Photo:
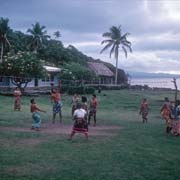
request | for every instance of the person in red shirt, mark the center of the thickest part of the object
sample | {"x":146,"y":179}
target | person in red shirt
{"x":57,"y":105}
{"x":93,"y":109}
{"x":35,"y":115}
{"x":144,"y":110}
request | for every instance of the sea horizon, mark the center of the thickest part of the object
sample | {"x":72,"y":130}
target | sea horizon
{"x":155,"y":82}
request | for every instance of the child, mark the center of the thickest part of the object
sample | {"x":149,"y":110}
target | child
{"x":93,"y":109}
{"x":35,"y":115}
{"x":17,"y":102}
{"x":144,"y":109}
{"x":56,"y":99}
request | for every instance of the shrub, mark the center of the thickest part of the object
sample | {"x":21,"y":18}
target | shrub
{"x":80,"y":90}
{"x":89,"y":90}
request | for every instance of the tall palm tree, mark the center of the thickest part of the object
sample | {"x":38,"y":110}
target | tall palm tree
{"x":115,"y":40}
{"x":4,"y":28}
{"x":39,"y":34}
{"x":57,"y":34}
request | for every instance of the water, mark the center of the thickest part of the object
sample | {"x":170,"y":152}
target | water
{"x":156,"y":82}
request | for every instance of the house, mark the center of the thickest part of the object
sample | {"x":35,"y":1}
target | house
{"x":51,"y":78}
{"x":105,"y":75}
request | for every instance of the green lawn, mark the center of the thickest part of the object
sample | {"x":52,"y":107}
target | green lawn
{"x":135,"y":151}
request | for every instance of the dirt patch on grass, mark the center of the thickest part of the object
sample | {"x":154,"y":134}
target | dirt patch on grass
{"x":28,"y":168}
{"x":29,"y":142}
{"x":49,"y":128}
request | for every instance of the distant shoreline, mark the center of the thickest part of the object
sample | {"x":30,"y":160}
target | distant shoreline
{"x":155,"y":82}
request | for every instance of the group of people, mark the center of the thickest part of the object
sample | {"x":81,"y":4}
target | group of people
{"x":91,"y":111}
{"x":170,"y":112}
{"x":81,"y":112}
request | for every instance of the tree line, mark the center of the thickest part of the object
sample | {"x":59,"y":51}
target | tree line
{"x":24,"y":54}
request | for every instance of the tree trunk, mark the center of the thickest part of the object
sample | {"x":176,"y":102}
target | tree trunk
{"x":2,"y":49}
{"x":116,"y":73}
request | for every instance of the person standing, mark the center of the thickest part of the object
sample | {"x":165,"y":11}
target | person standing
{"x":85,"y":106}
{"x":80,"y":124}
{"x":35,"y":115}
{"x":93,"y":109}
{"x":75,"y":100}
{"x":166,"y":114}
{"x":144,"y":110}
{"x":57,"y":105}
{"x":177,"y":118}
{"x":17,"y":102}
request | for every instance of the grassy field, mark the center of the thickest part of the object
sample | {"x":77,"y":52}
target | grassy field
{"x":125,"y":149}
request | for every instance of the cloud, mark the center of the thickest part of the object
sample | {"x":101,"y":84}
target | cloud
{"x":153,"y":25}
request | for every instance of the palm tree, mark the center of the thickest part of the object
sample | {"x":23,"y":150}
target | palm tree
{"x":115,"y":40}
{"x":4,"y":28}
{"x":39,"y":34}
{"x":57,"y":34}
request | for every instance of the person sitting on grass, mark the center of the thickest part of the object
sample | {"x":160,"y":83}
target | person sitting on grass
{"x":93,"y":109}
{"x":144,"y":110}
{"x":35,"y":115}
{"x":80,"y":124}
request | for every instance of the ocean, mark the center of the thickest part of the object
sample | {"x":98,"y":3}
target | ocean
{"x":156,"y":82}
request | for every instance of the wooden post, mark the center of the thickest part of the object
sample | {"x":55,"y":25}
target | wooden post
{"x":176,"y":90}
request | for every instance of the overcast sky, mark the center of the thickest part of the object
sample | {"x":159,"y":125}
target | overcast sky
{"x":154,"y":27}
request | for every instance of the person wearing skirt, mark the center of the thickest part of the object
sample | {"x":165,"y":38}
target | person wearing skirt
{"x":35,"y":115}
{"x":177,"y":118}
{"x":17,"y":102}
{"x":80,"y":124}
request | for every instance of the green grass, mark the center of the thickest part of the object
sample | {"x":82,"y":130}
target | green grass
{"x":136,"y":152}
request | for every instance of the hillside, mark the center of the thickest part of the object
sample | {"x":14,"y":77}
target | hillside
{"x":52,"y":52}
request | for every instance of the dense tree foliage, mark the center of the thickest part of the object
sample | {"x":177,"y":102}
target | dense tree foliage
{"x":21,"y":67}
{"x":57,"y":34}
{"x":19,"y":41}
{"x":39,"y":35}
{"x":75,"y":71}
{"x":53,"y":52}
{"x":4,"y":28}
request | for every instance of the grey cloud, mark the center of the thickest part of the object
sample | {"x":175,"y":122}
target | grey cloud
{"x":83,"y":21}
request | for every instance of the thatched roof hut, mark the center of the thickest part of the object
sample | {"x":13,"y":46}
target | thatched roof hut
{"x":102,"y":71}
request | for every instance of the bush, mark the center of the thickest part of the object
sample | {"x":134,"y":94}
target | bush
{"x":64,"y":88}
{"x":89,"y":90}
{"x":80,"y":90}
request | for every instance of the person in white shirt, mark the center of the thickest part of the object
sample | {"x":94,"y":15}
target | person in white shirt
{"x":80,"y":124}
